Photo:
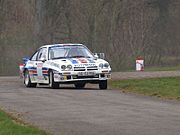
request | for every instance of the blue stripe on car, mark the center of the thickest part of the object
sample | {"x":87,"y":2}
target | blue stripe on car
{"x":44,"y":68}
{"x":91,"y":61}
{"x":73,"y":61}
{"x":32,"y":68}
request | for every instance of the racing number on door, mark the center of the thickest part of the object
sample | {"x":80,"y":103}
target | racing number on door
{"x":42,"y":57}
{"x":39,"y":69}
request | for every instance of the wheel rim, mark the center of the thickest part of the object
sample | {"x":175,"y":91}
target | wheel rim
{"x":26,"y":80}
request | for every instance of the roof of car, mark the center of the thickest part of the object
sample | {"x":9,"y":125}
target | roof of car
{"x":66,"y":44}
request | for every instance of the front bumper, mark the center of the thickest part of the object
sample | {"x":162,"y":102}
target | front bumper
{"x":81,"y":76}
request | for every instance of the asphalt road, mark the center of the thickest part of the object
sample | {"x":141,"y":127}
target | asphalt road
{"x":68,"y":111}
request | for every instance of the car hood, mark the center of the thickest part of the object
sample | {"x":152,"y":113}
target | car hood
{"x":79,"y":61}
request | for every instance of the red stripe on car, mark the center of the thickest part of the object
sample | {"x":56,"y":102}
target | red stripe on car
{"x":33,"y":72}
{"x":45,"y":71}
{"x":83,"y":60}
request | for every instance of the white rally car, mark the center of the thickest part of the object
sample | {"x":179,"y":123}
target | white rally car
{"x":65,"y":64}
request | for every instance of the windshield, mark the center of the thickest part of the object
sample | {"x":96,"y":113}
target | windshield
{"x":58,"y":52}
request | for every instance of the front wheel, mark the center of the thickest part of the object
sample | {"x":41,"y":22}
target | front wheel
{"x":52,"y":84}
{"x":80,"y":85}
{"x":103,"y":84}
{"x":27,"y":80}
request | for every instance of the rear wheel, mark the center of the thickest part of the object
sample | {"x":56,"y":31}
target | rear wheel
{"x":80,"y":85}
{"x":103,"y":84}
{"x":27,"y":80}
{"x":52,"y":84}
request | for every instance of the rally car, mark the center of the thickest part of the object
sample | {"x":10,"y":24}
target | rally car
{"x":65,"y":64}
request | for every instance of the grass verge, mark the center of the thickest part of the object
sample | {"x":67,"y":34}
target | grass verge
{"x":168,"y":88}
{"x":12,"y":126}
{"x":175,"y":68}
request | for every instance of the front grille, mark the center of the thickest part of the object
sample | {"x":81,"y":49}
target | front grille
{"x":92,"y":68}
{"x":79,"y":68}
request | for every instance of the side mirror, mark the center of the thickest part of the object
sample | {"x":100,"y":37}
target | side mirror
{"x":99,"y":55}
{"x":43,"y":59}
{"x":96,"y":56}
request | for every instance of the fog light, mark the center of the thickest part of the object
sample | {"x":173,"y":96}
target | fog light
{"x":63,"y":67}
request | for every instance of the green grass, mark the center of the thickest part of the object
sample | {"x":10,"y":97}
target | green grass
{"x":168,"y":87}
{"x":9,"y":125}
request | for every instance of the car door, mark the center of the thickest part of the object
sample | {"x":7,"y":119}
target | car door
{"x":32,"y":67}
{"x":41,"y":58}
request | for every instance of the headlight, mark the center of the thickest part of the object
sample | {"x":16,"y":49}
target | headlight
{"x":106,"y":65}
{"x":101,"y":65}
{"x":63,"y":67}
{"x":69,"y":67}
{"x":66,"y":67}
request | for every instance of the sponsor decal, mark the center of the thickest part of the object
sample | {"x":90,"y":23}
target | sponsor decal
{"x":39,"y":69}
{"x":40,"y":78}
{"x":73,"y":61}
{"x":83,"y":60}
{"x":33,"y":72}
{"x":31,"y":68}
{"x":45,"y":72}
{"x":84,"y":65}
{"x":44,"y":68}
{"x":91,"y":61}
{"x":39,"y":65}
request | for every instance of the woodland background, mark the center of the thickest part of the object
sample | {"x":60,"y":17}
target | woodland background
{"x":122,"y":29}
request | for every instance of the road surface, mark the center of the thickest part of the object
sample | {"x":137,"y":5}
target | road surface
{"x":90,"y":111}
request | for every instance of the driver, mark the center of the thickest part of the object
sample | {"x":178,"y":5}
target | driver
{"x":75,"y":52}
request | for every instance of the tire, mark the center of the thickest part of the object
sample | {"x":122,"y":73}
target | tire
{"x":103,"y":84}
{"x":27,"y":80}
{"x":52,"y":84}
{"x":80,"y":85}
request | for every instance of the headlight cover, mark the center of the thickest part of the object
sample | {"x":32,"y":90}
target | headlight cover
{"x":101,"y":65}
{"x":69,"y":67}
{"x":63,"y":67}
{"x":106,"y":65}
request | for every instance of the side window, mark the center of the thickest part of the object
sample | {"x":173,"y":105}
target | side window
{"x":42,"y":54}
{"x":34,"y":57}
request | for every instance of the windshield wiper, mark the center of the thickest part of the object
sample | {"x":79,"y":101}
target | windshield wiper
{"x":79,"y":56}
{"x":58,"y":58}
